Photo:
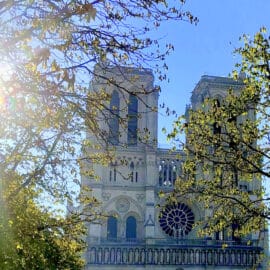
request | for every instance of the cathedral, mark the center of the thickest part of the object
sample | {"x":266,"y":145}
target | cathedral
{"x":138,"y":234}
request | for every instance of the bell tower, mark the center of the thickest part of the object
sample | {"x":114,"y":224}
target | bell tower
{"x":130,"y":114}
{"x":137,"y":233}
{"x":129,"y":124}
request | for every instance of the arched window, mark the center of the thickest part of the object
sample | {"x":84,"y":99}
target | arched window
{"x":114,"y":119}
{"x":219,"y":235}
{"x":132,"y":120}
{"x":174,"y":173}
{"x":112,"y":228}
{"x":168,"y":172}
{"x":216,"y":126}
{"x":113,"y":172}
{"x":165,"y":173}
{"x":131,"y":228}
{"x":161,"y":174}
{"x":170,"y":167}
{"x":131,"y":166}
{"x":235,"y":228}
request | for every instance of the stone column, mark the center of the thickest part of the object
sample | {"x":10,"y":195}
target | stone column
{"x":151,"y":180}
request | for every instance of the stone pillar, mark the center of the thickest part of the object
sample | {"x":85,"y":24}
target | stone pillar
{"x":151,"y":181}
{"x":94,"y":230}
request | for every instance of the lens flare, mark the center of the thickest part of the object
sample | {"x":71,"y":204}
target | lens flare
{"x":7,"y":101}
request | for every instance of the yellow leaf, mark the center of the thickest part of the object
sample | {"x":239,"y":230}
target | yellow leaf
{"x":55,"y":66}
{"x":19,"y":246}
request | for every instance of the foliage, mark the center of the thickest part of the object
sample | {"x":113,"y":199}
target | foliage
{"x":228,"y":148}
{"x":34,"y":238}
{"x":48,"y":51}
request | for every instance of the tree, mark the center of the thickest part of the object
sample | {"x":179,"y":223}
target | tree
{"x":48,"y":52}
{"x":228,"y":148}
{"x":32,"y":237}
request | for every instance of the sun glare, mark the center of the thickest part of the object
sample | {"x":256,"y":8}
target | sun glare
{"x":6,"y":100}
{"x":5,"y":71}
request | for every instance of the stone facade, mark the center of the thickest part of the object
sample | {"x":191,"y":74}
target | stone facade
{"x":138,"y":234}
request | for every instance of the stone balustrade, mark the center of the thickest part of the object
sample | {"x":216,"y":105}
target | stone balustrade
{"x":143,"y":254}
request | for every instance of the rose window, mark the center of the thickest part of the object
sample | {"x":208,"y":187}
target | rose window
{"x":176,"y":219}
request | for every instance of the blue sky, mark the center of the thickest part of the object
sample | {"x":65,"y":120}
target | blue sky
{"x":206,"y":49}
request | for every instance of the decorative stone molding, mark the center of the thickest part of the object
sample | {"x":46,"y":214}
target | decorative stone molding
{"x":106,"y":196}
{"x":176,"y":220}
{"x":149,"y":221}
{"x":140,"y":197}
{"x":122,"y":205}
{"x":196,"y":257}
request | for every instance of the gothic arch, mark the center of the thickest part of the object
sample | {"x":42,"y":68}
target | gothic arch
{"x":105,"y":228}
{"x":128,"y":220}
{"x":196,"y":210}
{"x":134,"y":209}
{"x":131,"y":228}
{"x":219,"y":98}
{"x":132,"y":201}
{"x":132,"y":120}
{"x":113,"y":172}
{"x":133,"y":213}
{"x":113,"y":121}
{"x":112,"y":227}
{"x":131,"y":166}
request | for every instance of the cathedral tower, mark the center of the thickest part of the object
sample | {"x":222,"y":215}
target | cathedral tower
{"x":137,"y":233}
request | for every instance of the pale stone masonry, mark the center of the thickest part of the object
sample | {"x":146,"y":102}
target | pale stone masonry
{"x":137,"y":235}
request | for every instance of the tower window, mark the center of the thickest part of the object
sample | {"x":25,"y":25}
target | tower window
{"x":114,"y":119}
{"x":113,"y":172}
{"x":131,"y":166}
{"x":176,"y":220}
{"x":216,"y":126}
{"x":174,"y":174}
{"x":131,"y":228}
{"x":112,"y":228}
{"x":132,"y":120}
{"x":169,"y":170}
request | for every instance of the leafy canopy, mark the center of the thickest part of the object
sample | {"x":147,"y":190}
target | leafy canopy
{"x":228,"y":147}
{"x":48,"y":50}
{"x":32,"y":237}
